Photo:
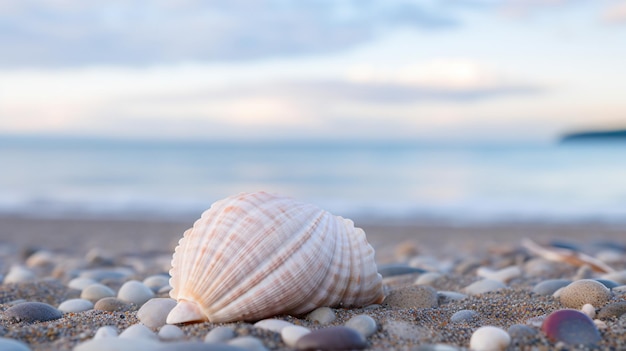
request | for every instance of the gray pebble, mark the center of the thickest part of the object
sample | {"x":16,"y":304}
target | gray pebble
{"x":608,"y":283}
{"x":107,"y":331}
{"x":170,"y":332}
{"x":322,"y":315}
{"x":612,"y":310}
{"x":584,"y":291}
{"x":12,"y":345}
{"x":463,"y":316}
{"x":363,"y":323}
{"x":391,"y":270}
{"x":138,"y":331}
{"x":80,"y":283}
{"x":416,"y":296}
{"x":483,"y":286}
{"x":75,"y":305}
{"x":107,"y":274}
{"x":447,"y":296}
{"x":332,"y":338}
{"x":196,"y":346}
{"x":248,"y":343}
{"x":550,"y":286}
{"x":95,"y":292}
{"x":437,"y":347}
{"x":112,"y":304}
{"x":156,"y":282}
{"x":154,"y":312}
{"x":117,"y":344}
{"x":219,"y":334}
{"x":136,"y":292}
{"x":521,"y":331}
{"x":30,"y":312}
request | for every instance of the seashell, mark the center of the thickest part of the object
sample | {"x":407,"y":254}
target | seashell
{"x":568,"y":256}
{"x":256,"y":255}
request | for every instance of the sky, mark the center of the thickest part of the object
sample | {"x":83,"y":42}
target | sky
{"x":432,"y":70}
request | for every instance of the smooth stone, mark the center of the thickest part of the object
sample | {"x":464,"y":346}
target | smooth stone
{"x":80,"y":283}
{"x":403,"y":330}
{"x":248,"y":343}
{"x":550,"y":286}
{"x":107,"y":331}
{"x":392,"y":270}
{"x":196,"y":346}
{"x":75,"y":305}
{"x":118,"y":273}
{"x":332,"y":338}
{"x":12,"y":345}
{"x":445,"y":296}
{"x":503,"y":275}
{"x":589,"y":310}
{"x":612,"y":310}
{"x":170,"y":332}
{"x":428,"y":278}
{"x":584,"y":291}
{"x":111,"y":304}
{"x":617,"y":276}
{"x":219,"y":334}
{"x":483,"y":286}
{"x":489,"y":338}
{"x":156,"y":282}
{"x":414,"y":296}
{"x":154,"y":312}
{"x":117,"y":344}
{"x":322,"y":315}
{"x":275,"y":325}
{"x":364,"y":324}
{"x":138,"y":331}
{"x":292,"y":334}
{"x":521,"y":331}
{"x":19,"y":274}
{"x":463,"y":316}
{"x":608,"y":283}
{"x":136,"y":292}
{"x":97,"y":291}
{"x":41,"y":258}
{"x":30,"y":312}
{"x":571,"y":327}
{"x":437,"y":347}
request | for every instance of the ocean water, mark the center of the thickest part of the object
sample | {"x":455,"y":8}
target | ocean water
{"x":365,"y":181}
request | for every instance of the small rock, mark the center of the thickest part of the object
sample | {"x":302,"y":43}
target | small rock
{"x":156,"y":282}
{"x":612,"y":310}
{"x":489,"y":338}
{"x":428,"y":278}
{"x":170,"y":332}
{"x":107,"y":331}
{"x":12,"y":345}
{"x":589,"y":310}
{"x":447,"y":296}
{"x":521,"y":331}
{"x":112,"y":304}
{"x":570,"y":327}
{"x":364,"y":324}
{"x":154,"y":312}
{"x":219,"y":335}
{"x":608,"y":283}
{"x":30,"y":312}
{"x":584,"y":291}
{"x":138,"y":331}
{"x":19,"y":274}
{"x":550,"y":286}
{"x":332,"y":338}
{"x":117,"y":344}
{"x":483,"y":286}
{"x":463,"y":316}
{"x":80,"y":283}
{"x":322,"y":315}
{"x":392,"y":270}
{"x":292,"y":334}
{"x":136,"y":292}
{"x":275,"y":325}
{"x":415,"y":296}
{"x":617,"y":276}
{"x":118,"y":273}
{"x":196,"y":346}
{"x":248,"y":342}
{"x":503,"y":275}
{"x":75,"y":305}
{"x":95,"y":292}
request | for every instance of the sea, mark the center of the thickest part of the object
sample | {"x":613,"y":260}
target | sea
{"x":395,"y":181}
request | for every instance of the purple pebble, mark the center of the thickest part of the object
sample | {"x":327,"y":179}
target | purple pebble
{"x":571,"y":327}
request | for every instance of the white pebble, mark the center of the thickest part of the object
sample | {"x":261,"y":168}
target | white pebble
{"x":156,"y":282}
{"x":219,"y":335}
{"x":97,"y":291}
{"x":322,"y":315}
{"x":170,"y":332}
{"x":292,"y":334}
{"x":364,"y":324}
{"x":275,"y":325}
{"x":483,"y":286}
{"x":40,"y":258}
{"x":600,"y":324}
{"x":12,"y":345}
{"x":136,"y":292}
{"x":107,"y":331}
{"x":154,"y":312}
{"x":589,"y":310}
{"x":117,"y":344}
{"x":19,"y":274}
{"x":503,"y":275}
{"x":80,"y":283}
{"x":427,"y":278}
{"x":248,"y":342}
{"x":489,"y":338}
{"x":138,"y":331}
{"x":75,"y":305}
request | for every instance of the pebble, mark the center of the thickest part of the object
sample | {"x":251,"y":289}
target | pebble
{"x":392,"y":270}
{"x":608,"y":283}
{"x":589,"y":310}
{"x":275,"y":325}
{"x":75,"y":305}
{"x":138,"y":331}
{"x":12,"y":345}
{"x":503,"y":275}
{"x":364,"y":324}
{"x":445,"y":296}
{"x":196,"y":346}
{"x":41,"y":258}
{"x":463,"y":316}
{"x":80,"y":283}
{"x":332,"y":338}
{"x":483,"y":286}
{"x":584,"y":291}
{"x":292,"y":334}
{"x":550,"y":286}
{"x":322,"y":315}
{"x":107,"y":331}
{"x":170,"y":332}
{"x":19,"y":274}
{"x":415,"y":296}
{"x":30,"y":312}
{"x":521,"y":331}
{"x":95,"y":292}
{"x":617,"y":276}
{"x":489,"y":338}
{"x":111,"y":304}
{"x":220,"y":334}
{"x":154,"y":312}
{"x":136,"y":292}
{"x":570,"y":327}
{"x":612,"y":310}
{"x":117,"y":344}
{"x":156,"y":282}
{"x":248,"y":342}
{"x":427,"y":278}
{"x":118,"y":273}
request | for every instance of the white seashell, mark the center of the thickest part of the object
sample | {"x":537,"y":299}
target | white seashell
{"x":256,"y":255}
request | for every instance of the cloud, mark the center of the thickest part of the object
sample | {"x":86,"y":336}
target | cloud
{"x":45,"y":33}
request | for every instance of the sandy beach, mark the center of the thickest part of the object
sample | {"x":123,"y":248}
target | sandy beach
{"x":455,"y":252}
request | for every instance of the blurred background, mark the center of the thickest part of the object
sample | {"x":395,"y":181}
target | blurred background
{"x":391,"y":110}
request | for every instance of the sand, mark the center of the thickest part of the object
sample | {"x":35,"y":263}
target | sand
{"x":464,"y":247}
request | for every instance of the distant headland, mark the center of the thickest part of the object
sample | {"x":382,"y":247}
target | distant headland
{"x":595,"y":136}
